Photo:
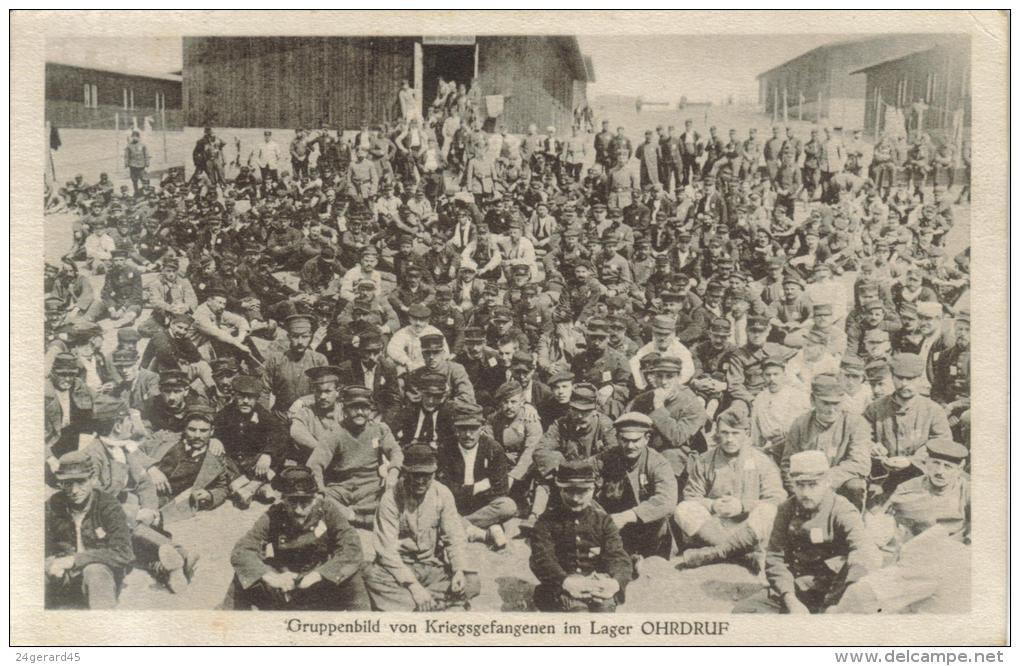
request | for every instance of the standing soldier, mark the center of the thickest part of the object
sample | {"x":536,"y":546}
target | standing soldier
{"x":136,"y":159}
{"x":576,"y":550}
{"x":301,"y":554}
{"x":818,"y":546}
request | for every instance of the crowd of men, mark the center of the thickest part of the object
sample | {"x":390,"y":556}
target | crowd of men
{"x":712,"y":350}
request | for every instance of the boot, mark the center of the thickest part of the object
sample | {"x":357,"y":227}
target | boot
{"x":190,"y":562}
{"x":739,"y":542}
{"x":266,"y":494}
{"x":497,"y":536}
{"x":171,"y":565}
{"x":474,"y":534}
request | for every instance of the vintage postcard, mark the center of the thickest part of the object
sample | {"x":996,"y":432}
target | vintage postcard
{"x":432,"y":328}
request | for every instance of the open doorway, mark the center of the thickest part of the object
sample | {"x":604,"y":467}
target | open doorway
{"x":449,"y":62}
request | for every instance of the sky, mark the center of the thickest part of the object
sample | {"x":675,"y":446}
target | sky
{"x":702,"y":67}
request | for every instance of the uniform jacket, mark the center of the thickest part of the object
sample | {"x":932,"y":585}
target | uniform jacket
{"x":325,"y":543}
{"x":405,"y":426}
{"x":806,"y":553}
{"x":518,"y":437}
{"x":904,"y":433}
{"x":567,"y":544}
{"x":118,"y":478}
{"x":105,"y":536}
{"x":566,"y":441}
{"x":849,"y":452}
{"x":751,"y":477}
{"x":676,"y":422}
{"x":385,"y":384}
{"x":246,"y":437}
{"x":490,"y":470}
{"x":81,"y":413}
{"x":184,"y":473}
{"x":650,"y":480}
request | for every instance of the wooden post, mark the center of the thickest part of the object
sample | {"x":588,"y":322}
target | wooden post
{"x":162,"y":120}
{"x":819,"y":107}
{"x":116,"y":135}
{"x":800,"y":105}
{"x":786,"y":105}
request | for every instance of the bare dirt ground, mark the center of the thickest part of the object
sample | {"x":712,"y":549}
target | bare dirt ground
{"x":507,"y":582}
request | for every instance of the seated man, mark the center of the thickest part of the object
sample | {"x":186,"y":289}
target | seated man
{"x":475,"y":470}
{"x":517,"y":429}
{"x":932,"y":528}
{"x":119,"y":470}
{"x":368,"y":369}
{"x":193,"y":473}
{"x":356,"y":463}
{"x":638,"y":488}
{"x":576,"y":550}
{"x":437,"y":359}
{"x":254,"y":439}
{"x":731,"y":496}
{"x":818,"y":546}
{"x":425,"y":417}
{"x":844,"y":438}
{"x":316,"y":418}
{"x":301,"y":554}
{"x":88,"y":541}
{"x":414,"y":517}
{"x":166,"y":409}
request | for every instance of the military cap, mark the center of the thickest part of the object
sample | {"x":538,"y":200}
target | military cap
{"x":826,"y":386}
{"x":369,"y":340}
{"x":663,"y":323}
{"x":65,"y":364}
{"x":876,"y":335}
{"x":73,"y":466}
{"x":119,"y":253}
{"x":877,"y":369}
{"x":214,"y":292}
{"x":413,"y":271}
{"x":554,"y":280}
{"x":474,"y":334}
{"x":575,"y":474}
{"x":662,"y":259}
{"x":369,"y":250}
{"x":665,"y":363}
{"x":808,"y":465}
{"x":83,"y":332}
{"x":223,"y":366}
{"x":419,"y":458}
{"x":597,"y":327}
{"x":963,"y":315}
{"x":432,"y":342}
{"x":739,"y":294}
{"x":907,"y":365}
{"x":634,"y":422}
{"x":929,"y":309}
{"x":585,"y":264}
{"x":715,"y":288}
{"x":323,"y":374}
{"x":530,"y":288}
{"x":736,"y":415}
{"x":908,"y":309}
{"x":791,"y":278}
{"x":107,"y":408}
{"x":501,"y":313}
{"x":427,"y":381}
{"x":419,"y":311}
{"x":465,"y":418}
{"x":945,"y":448}
{"x":468,"y":265}
{"x":598,"y":205}
{"x":869,"y":304}
{"x":507,"y":390}
{"x":821,"y":309}
{"x":53,"y":304}
{"x":757,"y":323}
{"x":561,"y":376}
{"x":296,"y":481}
{"x":128,"y":336}
{"x":775,"y":360}
{"x":854,"y":363}
{"x":721,"y":325}
{"x":615,"y":213}
{"x":522,"y":359}
{"x":491,"y":288}
{"x":583,"y":397}
{"x":365,"y":284}
{"x":171,"y":262}
{"x":125,"y":356}
{"x":173,"y":379}
{"x":617,"y":321}
{"x":361,"y":308}
{"x":356,"y":395}
{"x":670,"y":294}
{"x":444,"y":291}
{"x":247,"y":385}
{"x":199,"y":409}
{"x":520,"y":268}
{"x":684,"y":235}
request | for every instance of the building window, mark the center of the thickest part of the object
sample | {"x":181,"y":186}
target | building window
{"x":91,"y":96}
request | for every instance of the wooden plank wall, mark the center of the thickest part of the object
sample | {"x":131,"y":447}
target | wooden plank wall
{"x":290,"y":82}
{"x":536,"y":76}
{"x":65,"y":83}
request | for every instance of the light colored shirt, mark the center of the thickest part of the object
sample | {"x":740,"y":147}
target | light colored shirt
{"x":405,"y":347}
{"x":355,"y":275}
{"x":267,"y":155}
{"x":469,"y":456}
{"x":773,"y":413}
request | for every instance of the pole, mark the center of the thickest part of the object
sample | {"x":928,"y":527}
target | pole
{"x":116,"y":136}
{"x":162,"y":119}
{"x":800,"y":105}
{"x":786,"y":106}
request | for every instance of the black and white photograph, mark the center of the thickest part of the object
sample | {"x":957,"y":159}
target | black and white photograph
{"x":638,"y":324}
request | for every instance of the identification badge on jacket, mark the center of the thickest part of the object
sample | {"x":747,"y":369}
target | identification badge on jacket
{"x":269,"y":551}
{"x":375,"y":442}
{"x":816,"y":535}
{"x":481,"y":486}
{"x":595,"y":551}
{"x":320,"y":529}
{"x":492,"y":361}
{"x":100,"y":533}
